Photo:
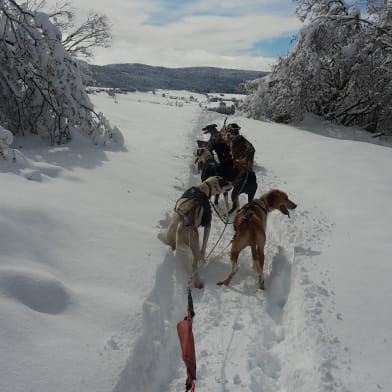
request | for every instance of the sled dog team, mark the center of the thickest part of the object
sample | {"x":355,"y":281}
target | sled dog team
{"x":231,"y":170}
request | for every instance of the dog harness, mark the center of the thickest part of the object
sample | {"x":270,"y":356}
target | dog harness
{"x":202,"y":201}
{"x":252,"y":206}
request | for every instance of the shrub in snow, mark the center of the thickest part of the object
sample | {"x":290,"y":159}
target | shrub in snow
{"x":340,"y":68}
{"x":6,"y":151}
{"x":6,"y":139}
{"x":41,"y":86}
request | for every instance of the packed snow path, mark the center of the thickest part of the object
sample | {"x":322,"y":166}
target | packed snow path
{"x":245,"y":338}
{"x":91,"y":297}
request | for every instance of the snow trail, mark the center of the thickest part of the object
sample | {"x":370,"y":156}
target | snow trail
{"x":87,"y":291}
{"x":161,"y":311}
{"x":258,"y":330}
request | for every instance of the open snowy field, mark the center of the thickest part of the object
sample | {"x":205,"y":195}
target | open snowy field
{"x":90,"y":298}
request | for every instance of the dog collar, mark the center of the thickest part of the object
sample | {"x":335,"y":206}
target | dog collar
{"x":264,"y":208}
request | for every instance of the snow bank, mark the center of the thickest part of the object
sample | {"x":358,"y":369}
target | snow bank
{"x":91,"y":297}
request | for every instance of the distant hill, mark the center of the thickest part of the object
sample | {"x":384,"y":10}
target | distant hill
{"x":142,"y":77}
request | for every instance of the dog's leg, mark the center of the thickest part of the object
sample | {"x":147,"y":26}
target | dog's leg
{"x":261,"y":267}
{"x":251,"y":186}
{"x":199,"y":167}
{"x":239,"y":242}
{"x":197,"y":256}
{"x":251,"y":159}
{"x":226,"y":196}
{"x":235,"y":205}
{"x":234,"y":267}
{"x":251,"y":196}
{"x":234,"y":200}
{"x":181,"y":236}
{"x":258,"y":259}
{"x":234,"y":197}
{"x":168,"y":236}
{"x":206,"y":235}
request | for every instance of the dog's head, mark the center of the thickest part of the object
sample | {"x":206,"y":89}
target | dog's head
{"x":202,"y":155}
{"x":218,"y":185}
{"x":278,"y":200}
{"x":201,"y":143}
{"x":231,"y":131}
{"x":233,"y":127}
{"x":212,"y":129}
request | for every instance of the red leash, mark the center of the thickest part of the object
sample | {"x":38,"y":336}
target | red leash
{"x":184,"y":330}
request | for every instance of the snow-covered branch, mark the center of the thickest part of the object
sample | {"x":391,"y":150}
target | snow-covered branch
{"x":340,"y":68}
{"x":41,"y":83}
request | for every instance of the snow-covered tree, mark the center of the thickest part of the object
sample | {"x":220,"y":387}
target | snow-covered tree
{"x":41,"y":87}
{"x":6,"y":139}
{"x":79,"y":40}
{"x":340,"y":67}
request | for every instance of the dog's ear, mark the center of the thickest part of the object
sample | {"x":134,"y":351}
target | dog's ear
{"x":212,"y":128}
{"x":273,"y":199}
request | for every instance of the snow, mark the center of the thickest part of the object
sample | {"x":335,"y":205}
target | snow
{"x":51,"y":30}
{"x":90,"y":298}
{"x":350,"y":50}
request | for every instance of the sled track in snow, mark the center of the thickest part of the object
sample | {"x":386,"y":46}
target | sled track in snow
{"x":246,"y":339}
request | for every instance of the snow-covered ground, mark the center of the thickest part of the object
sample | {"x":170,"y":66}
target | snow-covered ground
{"x":89,"y":297}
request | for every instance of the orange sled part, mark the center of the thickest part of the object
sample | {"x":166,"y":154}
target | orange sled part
{"x":185,"y":335}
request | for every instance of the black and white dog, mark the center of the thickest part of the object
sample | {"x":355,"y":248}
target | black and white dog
{"x":191,"y":211}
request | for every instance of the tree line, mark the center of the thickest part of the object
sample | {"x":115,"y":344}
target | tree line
{"x":340,"y":67}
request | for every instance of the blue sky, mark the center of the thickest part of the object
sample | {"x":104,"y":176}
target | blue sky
{"x":274,"y":47}
{"x":242,"y":34}
{"x":172,"y":10}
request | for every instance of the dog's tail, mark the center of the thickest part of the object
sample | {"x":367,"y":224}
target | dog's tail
{"x":243,"y":221}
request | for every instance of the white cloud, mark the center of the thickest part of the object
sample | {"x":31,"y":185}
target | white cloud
{"x":190,"y":40}
{"x":169,"y":57}
{"x":242,"y":7}
{"x":222,"y":35}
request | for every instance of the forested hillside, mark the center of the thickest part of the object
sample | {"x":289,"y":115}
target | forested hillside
{"x":132,"y":77}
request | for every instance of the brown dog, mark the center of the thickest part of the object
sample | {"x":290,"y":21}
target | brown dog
{"x":242,"y":150}
{"x":250,"y":224}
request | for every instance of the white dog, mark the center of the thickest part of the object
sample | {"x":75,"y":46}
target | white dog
{"x":191,"y":211}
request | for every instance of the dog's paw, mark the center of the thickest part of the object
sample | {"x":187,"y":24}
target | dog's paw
{"x":222,"y":283}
